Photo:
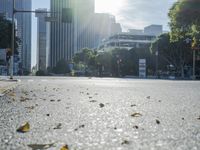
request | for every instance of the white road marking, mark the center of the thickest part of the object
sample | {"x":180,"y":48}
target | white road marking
{"x":44,"y":80}
{"x":30,"y":80}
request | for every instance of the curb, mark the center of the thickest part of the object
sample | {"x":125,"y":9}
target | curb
{"x":5,"y":90}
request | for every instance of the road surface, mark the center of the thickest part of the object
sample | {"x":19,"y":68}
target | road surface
{"x":101,"y":114}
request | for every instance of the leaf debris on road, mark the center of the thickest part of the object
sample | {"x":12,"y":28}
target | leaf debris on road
{"x":157,"y":121}
{"x":125,"y":142}
{"x":30,"y":107}
{"x":24,"y":128}
{"x":81,"y":126}
{"x":101,"y":105}
{"x":58,"y":126}
{"x":12,"y":94}
{"x":23,"y":99}
{"x":148,"y":97}
{"x":93,"y":101}
{"x":65,"y":147}
{"x":136,"y":115}
{"x":40,"y":146}
{"x":136,"y":127}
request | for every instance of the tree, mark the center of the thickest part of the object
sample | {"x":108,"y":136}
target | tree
{"x":61,"y":67}
{"x":185,"y":20}
{"x":103,"y":61}
{"x":6,"y":34}
{"x":177,"y":53}
{"x":87,"y":57}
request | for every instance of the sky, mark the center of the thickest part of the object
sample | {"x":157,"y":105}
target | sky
{"x":132,"y":14}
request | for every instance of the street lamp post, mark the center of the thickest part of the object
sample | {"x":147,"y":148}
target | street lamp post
{"x":12,"y":40}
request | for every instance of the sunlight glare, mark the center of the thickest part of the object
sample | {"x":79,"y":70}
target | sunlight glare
{"x":109,"y":6}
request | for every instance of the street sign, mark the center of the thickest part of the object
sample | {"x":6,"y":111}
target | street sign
{"x":142,"y":68}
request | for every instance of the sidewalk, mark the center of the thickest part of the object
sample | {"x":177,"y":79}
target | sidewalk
{"x":6,"y":84}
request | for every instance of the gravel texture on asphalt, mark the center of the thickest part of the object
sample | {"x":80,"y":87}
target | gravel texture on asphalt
{"x":101,"y":114}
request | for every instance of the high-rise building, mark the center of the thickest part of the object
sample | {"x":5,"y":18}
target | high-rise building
{"x":155,"y":30}
{"x":105,"y":26}
{"x":136,"y":31}
{"x":42,"y":29}
{"x":23,"y":28}
{"x":87,"y":29}
{"x":61,"y":34}
{"x":84,"y":24}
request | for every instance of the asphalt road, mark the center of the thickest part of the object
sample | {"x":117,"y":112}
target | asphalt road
{"x":101,"y":114}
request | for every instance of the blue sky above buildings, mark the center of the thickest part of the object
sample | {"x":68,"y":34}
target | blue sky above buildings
{"x":130,"y":13}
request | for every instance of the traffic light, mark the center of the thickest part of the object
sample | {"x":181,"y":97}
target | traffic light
{"x":67,"y":15}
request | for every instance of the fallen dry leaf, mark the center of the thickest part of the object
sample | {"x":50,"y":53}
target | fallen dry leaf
{"x":58,"y":126}
{"x":136,"y":115}
{"x":81,"y":126}
{"x":101,"y":105}
{"x":65,"y":147}
{"x":24,"y":128}
{"x":23,"y":99}
{"x":136,"y":127}
{"x":40,"y":146}
{"x":11,"y":94}
{"x":125,"y":142}
{"x":93,"y":101}
{"x":31,"y":107}
{"x":157,"y":121}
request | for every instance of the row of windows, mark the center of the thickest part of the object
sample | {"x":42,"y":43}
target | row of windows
{"x":133,"y":37}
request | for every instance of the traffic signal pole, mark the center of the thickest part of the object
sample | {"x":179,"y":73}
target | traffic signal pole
{"x":13,"y":34}
{"x":12,"y":40}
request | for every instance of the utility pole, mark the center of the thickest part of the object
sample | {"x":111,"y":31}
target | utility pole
{"x":12,"y":40}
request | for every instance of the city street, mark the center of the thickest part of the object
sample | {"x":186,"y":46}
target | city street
{"x":101,"y":114}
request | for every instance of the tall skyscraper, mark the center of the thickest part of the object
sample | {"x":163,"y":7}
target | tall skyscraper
{"x":61,"y":34}
{"x":23,"y":28}
{"x":84,"y":24}
{"x":42,"y":29}
{"x":86,"y":30}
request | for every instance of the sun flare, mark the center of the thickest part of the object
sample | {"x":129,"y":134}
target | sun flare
{"x":109,"y":6}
